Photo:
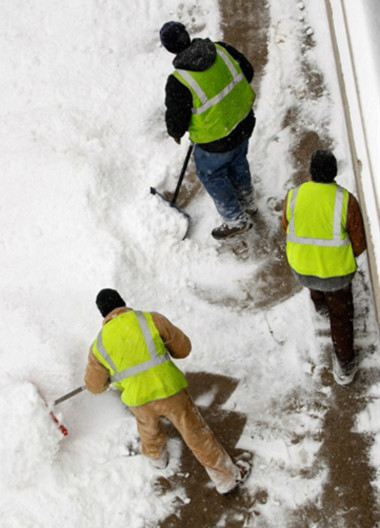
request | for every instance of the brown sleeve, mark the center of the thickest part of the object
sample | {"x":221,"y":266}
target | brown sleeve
{"x":284,"y":220}
{"x":355,"y":226}
{"x":97,"y":376}
{"x":177,"y":343}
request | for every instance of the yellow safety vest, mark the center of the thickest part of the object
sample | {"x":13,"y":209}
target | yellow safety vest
{"x":317,"y":242}
{"x":131,"y":348}
{"x":222,"y":97}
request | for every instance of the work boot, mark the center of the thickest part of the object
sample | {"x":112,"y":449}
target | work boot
{"x":344,"y":374}
{"x":225,"y":231}
{"x":245,"y":470}
{"x":161,"y":461}
{"x":251,"y":210}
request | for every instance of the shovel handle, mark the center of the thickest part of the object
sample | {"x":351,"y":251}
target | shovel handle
{"x":185,"y":164}
{"x":70,"y":395}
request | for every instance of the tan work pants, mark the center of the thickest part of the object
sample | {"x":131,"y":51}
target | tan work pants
{"x":186,"y":418}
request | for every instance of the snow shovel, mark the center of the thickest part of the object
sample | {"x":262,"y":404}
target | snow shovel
{"x":172,"y":202}
{"x":63,"y":429}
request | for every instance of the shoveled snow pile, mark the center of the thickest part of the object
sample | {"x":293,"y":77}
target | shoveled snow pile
{"x":30,"y":437}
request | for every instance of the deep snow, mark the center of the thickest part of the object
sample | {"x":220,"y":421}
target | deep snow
{"x":83,"y":139}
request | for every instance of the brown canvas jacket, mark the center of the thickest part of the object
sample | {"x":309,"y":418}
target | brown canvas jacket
{"x":176,"y":342}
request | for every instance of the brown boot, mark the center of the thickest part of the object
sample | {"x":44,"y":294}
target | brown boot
{"x":245,"y":470}
{"x":224,"y":231}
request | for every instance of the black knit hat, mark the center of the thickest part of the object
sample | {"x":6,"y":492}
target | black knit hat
{"x":107,"y":300}
{"x":174,"y":37}
{"x":323,"y":166}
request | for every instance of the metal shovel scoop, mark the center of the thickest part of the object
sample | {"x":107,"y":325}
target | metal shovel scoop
{"x":172,"y":202}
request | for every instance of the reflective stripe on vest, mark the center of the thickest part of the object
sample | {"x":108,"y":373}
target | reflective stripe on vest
{"x":154,"y":360}
{"x":336,"y":240}
{"x":208,"y":103}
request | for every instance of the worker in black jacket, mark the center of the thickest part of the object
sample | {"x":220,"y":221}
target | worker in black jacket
{"x":209,"y":95}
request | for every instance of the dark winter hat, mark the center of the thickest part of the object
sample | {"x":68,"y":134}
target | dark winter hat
{"x":107,"y":300}
{"x":174,"y":37}
{"x":323,"y":166}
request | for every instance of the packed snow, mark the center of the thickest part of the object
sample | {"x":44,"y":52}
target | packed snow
{"x":83,"y":140}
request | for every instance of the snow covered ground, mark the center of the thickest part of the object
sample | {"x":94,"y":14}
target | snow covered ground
{"x":82,"y":140}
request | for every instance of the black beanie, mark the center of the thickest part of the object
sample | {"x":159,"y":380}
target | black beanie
{"x":174,"y":37}
{"x":323,"y":166}
{"x":107,"y":300}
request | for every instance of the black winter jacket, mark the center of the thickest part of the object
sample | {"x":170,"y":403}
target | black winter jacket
{"x":199,"y":56}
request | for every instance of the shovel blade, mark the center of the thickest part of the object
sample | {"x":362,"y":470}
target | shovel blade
{"x":61,"y":427}
{"x":174,"y":206}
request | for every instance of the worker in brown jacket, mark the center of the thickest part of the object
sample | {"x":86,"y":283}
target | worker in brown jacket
{"x":133,"y":351}
{"x":324,"y":235}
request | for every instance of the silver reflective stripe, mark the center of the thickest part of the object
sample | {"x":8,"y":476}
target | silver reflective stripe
{"x":146,"y":333}
{"x":195,"y":86}
{"x":137,"y":369}
{"x":217,"y":98}
{"x":338,"y":214}
{"x":103,"y":352}
{"x":154,"y":360}
{"x":208,"y":103}
{"x":227,"y":62}
{"x":336,"y":241}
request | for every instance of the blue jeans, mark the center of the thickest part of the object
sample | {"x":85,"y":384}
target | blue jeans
{"x":227,"y":179}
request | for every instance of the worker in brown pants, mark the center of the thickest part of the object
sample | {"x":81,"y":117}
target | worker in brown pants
{"x":324,"y":235}
{"x":133,"y":351}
